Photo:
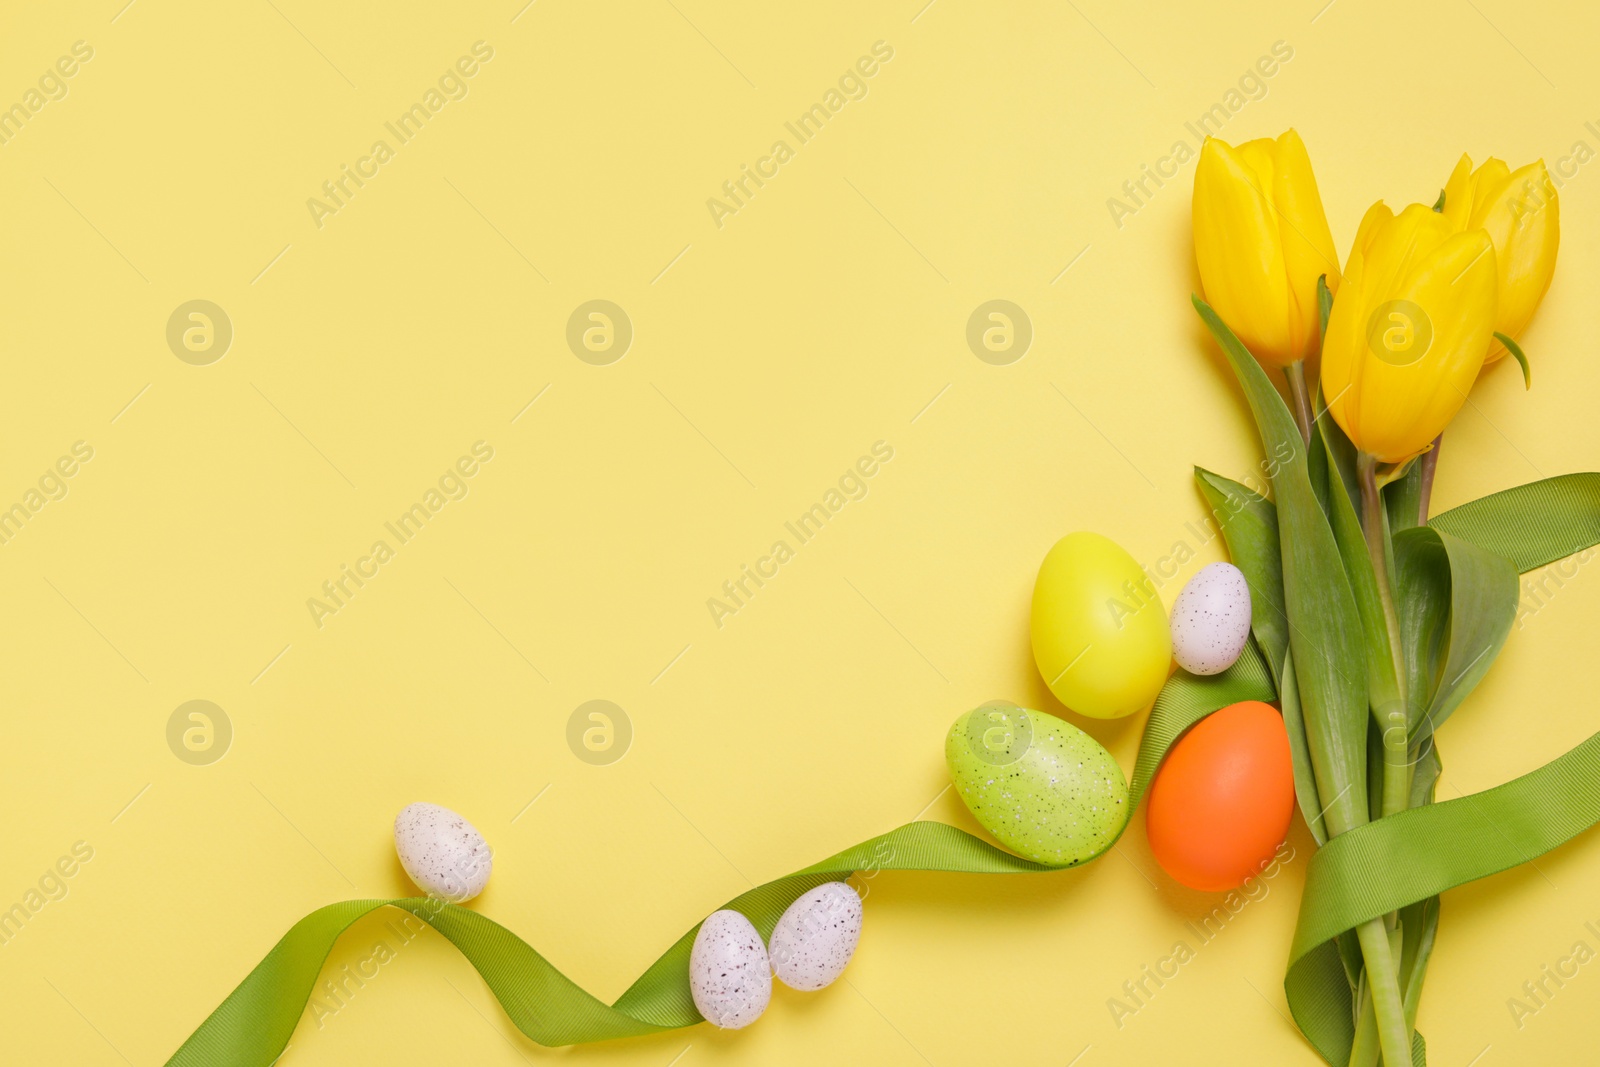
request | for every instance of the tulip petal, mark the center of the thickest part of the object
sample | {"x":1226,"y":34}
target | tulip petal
{"x":1308,"y":252}
{"x":1488,"y":186}
{"x":1458,"y":194}
{"x":1376,"y":215}
{"x":1238,"y":248}
{"x":1409,"y":331}
{"x":1524,"y":222}
{"x":1452,"y":291}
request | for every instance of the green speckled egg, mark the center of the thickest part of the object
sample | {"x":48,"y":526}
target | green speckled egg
{"x":1044,"y":788}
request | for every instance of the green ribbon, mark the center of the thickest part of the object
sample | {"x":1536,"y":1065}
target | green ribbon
{"x":1533,"y":524}
{"x":1188,"y":698}
{"x":253,"y":1025}
{"x":1370,"y":871}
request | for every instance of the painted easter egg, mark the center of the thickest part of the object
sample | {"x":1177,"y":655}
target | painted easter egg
{"x":442,"y":852}
{"x":1211,"y":619}
{"x":816,"y":936}
{"x":1220,"y":804}
{"x":1043,"y":788}
{"x":1100,"y":636}
{"x":729,"y":976}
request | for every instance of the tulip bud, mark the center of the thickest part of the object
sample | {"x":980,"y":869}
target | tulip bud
{"x":1522,"y":215}
{"x":1261,"y":241}
{"x":1409,"y":331}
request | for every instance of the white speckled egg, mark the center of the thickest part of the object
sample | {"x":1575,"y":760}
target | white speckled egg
{"x":442,"y":852}
{"x":816,"y":937}
{"x":1211,"y":619}
{"x":728,"y":971}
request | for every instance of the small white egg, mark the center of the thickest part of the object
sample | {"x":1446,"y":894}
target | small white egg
{"x":728,"y":971}
{"x":816,"y":937}
{"x":1211,"y":619}
{"x":442,"y":852}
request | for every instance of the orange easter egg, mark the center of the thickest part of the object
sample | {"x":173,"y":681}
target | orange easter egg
{"x":1221,"y":803}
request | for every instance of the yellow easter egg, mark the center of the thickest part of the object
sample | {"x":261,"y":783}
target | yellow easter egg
{"x":1100,"y":634}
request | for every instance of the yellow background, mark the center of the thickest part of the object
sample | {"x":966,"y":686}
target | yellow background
{"x":768,"y":355}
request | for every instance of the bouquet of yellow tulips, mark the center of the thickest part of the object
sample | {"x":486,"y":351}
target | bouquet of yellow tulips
{"x":1372,"y":622}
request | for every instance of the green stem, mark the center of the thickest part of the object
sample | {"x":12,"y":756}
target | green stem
{"x":1430,"y":463}
{"x":1364,"y":1050}
{"x":1296,"y":373}
{"x":1394,"y":1036}
{"x":1393,"y":1030}
{"x":1392,"y":711}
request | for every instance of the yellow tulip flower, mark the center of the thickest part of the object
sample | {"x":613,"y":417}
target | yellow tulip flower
{"x":1522,"y":215}
{"x":1262,"y":241}
{"x":1410,"y":329}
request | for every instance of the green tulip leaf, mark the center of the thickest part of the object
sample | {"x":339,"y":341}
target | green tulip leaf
{"x":1341,"y":453}
{"x":1419,"y":923}
{"x":1422,"y":602}
{"x":1461,"y":600}
{"x":1484,"y":592}
{"x":1321,"y":477}
{"x":1305,"y":779}
{"x":1402,"y":497}
{"x":1425,"y":774}
{"x":1324,"y":625}
{"x":1375,"y":769}
{"x":1518,"y":355}
{"x":1382,"y":684}
{"x":1249,"y":524}
{"x":1317,"y":457}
